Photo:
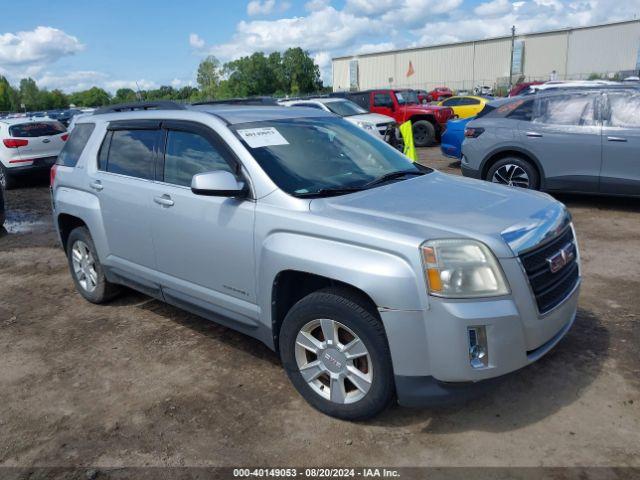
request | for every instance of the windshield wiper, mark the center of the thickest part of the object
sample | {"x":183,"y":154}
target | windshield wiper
{"x":329,"y":192}
{"x":391,"y":176}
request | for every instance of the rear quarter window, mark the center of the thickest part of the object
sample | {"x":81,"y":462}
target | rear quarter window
{"x":78,"y":139}
{"x":36,"y":129}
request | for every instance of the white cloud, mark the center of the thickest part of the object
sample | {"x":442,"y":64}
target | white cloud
{"x":320,"y":30}
{"x":314,"y":5}
{"x":141,"y":84}
{"x":257,"y":7}
{"x":374,"y":47}
{"x":493,"y":9}
{"x":40,"y":46}
{"x":195,"y":41}
{"x":85,"y":79}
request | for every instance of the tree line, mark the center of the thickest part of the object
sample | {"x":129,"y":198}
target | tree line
{"x":292,"y":72}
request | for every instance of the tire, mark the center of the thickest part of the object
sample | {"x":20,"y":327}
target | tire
{"x":6,"y":180}
{"x":424,"y":133}
{"x":514,"y":172}
{"x":358,"y":328}
{"x":94,"y":288}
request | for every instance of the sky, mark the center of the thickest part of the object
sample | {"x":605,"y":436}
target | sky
{"x":76,"y":44}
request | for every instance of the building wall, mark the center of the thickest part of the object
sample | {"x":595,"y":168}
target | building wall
{"x":571,"y":53}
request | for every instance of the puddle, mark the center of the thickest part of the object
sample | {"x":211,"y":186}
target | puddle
{"x":20,"y":222}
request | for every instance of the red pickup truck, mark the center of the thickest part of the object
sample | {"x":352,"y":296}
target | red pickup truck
{"x":429,"y":121}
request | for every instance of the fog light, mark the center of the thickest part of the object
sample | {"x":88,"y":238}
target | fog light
{"x":478,"y":350}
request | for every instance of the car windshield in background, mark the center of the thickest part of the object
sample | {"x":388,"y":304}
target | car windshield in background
{"x":406,"y":97}
{"x":345,"y":108}
{"x":323,"y":156}
{"x":36,"y":129}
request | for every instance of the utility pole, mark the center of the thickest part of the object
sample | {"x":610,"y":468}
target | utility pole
{"x":513,"y":40}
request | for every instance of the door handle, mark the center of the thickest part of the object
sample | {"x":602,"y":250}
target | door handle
{"x":97,"y":185}
{"x":616,"y":139}
{"x":533,"y":134}
{"x":164,"y":200}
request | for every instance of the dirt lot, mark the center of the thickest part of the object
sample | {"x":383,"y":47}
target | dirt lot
{"x":139,"y":383}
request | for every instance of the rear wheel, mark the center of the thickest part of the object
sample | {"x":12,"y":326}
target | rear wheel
{"x":86,"y":270}
{"x":424,"y":133}
{"x":335,"y":353}
{"x":6,"y":180}
{"x":514,"y":172}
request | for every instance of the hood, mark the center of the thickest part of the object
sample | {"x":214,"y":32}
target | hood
{"x":437,"y":205}
{"x":370,"y":117}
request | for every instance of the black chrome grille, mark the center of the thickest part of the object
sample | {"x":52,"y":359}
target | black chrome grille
{"x":551,"y":288}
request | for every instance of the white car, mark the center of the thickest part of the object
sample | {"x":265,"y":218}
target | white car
{"x":28,"y":145}
{"x":373,"y":123}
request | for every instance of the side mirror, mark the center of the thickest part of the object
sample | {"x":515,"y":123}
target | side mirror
{"x":217,"y":184}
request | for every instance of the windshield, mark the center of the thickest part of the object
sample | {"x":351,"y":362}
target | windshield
{"x":308,"y":156}
{"x":36,"y":129}
{"x":406,"y":97}
{"x":345,"y":108}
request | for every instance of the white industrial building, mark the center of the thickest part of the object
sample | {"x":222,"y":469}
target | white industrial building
{"x":572,"y":53}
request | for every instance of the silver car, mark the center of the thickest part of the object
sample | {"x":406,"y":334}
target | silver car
{"x":572,"y":140}
{"x":374,"y":278}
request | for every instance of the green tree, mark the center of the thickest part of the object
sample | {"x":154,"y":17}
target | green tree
{"x":5,"y":95}
{"x":94,"y":97}
{"x":29,"y":94}
{"x":208,"y":76}
{"x":301,"y":74}
{"x":125,"y":95}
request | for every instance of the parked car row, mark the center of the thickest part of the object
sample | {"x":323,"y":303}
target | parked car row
{"x":428,"y":121}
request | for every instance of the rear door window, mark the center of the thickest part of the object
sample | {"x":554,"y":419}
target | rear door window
{"x":624,"y":109}
{"x":189,"y":153}
{"x":576,"y":109}
{"x":72,"y":150}
{"x":36,"y":129}
{"x":131,"y":153}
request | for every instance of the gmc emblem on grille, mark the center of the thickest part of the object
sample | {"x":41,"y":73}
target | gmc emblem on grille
{"x":559,"y":259}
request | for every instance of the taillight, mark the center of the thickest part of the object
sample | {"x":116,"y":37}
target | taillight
{"x":471,"y":132}
{"x":15,"y":142}
{"x":65,"y":137}
{"x":52,"y":175}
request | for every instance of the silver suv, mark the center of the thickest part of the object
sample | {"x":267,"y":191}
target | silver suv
{"x":567,"y":139}
{"x":371,"y":276}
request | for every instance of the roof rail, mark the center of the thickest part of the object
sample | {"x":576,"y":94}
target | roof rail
{"x":130,"y":107}
{"x":268,"y":101}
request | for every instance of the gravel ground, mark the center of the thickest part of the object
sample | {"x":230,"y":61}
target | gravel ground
{"x":137,"y":382}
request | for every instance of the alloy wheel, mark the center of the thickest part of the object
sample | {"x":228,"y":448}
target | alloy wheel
{"x":84,"y":266}
{"x":511,"y":175}
{"x":3,"y":178}
{"x":333,"y":361}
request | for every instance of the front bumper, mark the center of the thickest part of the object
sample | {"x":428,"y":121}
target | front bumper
{"x":469,"y":171}
{"x":430,"y":349}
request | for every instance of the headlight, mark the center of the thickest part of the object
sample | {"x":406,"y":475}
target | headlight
{"x":459,"y":268}
{"x":366,"y":125}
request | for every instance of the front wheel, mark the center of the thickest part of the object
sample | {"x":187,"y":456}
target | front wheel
{"x":514,"y":172}
{"x":424,"y":133}
{"x":334,"y":350}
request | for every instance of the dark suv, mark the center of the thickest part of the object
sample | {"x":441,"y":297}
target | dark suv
{"x":573,"y":140}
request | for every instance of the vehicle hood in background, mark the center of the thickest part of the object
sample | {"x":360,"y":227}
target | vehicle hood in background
{"x":370,"y":117}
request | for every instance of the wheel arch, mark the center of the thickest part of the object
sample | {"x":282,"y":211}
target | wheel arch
{"x":66,"y":224}
{"x":291,"y":286}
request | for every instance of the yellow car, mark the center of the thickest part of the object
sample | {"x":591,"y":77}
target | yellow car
{"x":466,"y":106}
